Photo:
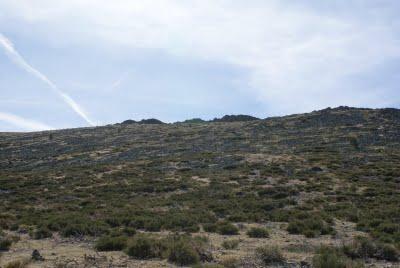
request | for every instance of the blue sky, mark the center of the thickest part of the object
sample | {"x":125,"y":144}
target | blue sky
{"x":78,"y":63}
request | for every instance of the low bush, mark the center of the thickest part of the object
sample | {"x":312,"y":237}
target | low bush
{"x":181,"y":222}
{"x":387,"y":252}
{"x":269,"y":255}
{"x":108,"y":243}
{"x":295,"y":227}
{"x":227,"y":228}
{"x":5,"y":243}
{"x":258,"y":232}
{"x":182,"y":253}
{"x":330,"y":257}
{"x":41,"y":233}
{"x":230,"y":244}
{"x":129,"y":231}
{"x":222,"y":227}
{"x":310,"y":227}
{"x":184,"y":249}
{"x":363,"y":247}
{"x":152,"y":225}
{"x":178,"y":249}
{"x":125,"y":231}
{"x":75,"y":225}
{"x":210,"y":227}
{"x":144,"y":247}
{"x":75,"y":230}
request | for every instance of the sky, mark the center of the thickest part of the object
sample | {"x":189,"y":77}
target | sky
{"x":74,"y":63}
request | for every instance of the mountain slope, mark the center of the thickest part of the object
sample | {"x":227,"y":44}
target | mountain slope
{"x":321,"y":177}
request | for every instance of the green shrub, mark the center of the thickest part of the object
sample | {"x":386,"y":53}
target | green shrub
{"x":330,"y":257}
{"x":181,"y":222}
{"x":295,"y":227}
{"x":75,"y":230}
{"x":258,"y":232}
{"x":222,"y":227}
{"x":182,"y":253}
{"x":227,"y":228}
{"x":143,"y":247}
{"x":113,"y":222}
{"x":309,"y":227}
{"x":230,"y":244}
{"x":310,"y":233}
{"x":125,"y":231}
{"x":389,"y":228}
{"x":77,"y":226}
{"x":153,"y":225}
{"x":108,"y":243}
{"x":41,"y":233}
{"x":178,"y":249}
{"x":354,"y":142}
{"x":387,"y":252}
{"x":210,"y":227}
{"x":327,"y":257}
{"x":184,"y":249}
{"x":129,"y":231}
{"x":363,"y":247}
{"x":14,"y":227}
{"x":5,"y":243}
{"x":269,"y":255}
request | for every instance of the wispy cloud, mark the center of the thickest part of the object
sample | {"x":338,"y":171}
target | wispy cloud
{"x":23,"y":123}
{"x":287,"y":48}
{"x":293,"y":55}
{"x":21,"y":62}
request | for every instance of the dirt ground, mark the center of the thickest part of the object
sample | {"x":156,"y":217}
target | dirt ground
{"x":61,"y":252}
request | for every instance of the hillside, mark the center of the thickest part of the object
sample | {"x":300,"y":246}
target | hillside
{"x":215,"y":193}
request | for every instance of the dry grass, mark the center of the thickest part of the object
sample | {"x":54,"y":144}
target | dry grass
{"x":18,"y":263}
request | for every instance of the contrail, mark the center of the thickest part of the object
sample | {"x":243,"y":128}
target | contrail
{"x":20,"y":61}
{"x":23,"y":122}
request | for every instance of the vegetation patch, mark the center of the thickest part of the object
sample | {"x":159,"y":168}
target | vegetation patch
{"x":5,"y":243}
{"x":108,"y":243}
{"x":182,"y":250}
{"x":333,"y":257}
{"x":144,"y":247}
{"x":310,"y":227}
{"x":307,"y":171}
{"x":230,"y":244}
{"x":258,"y":232}
{"x":269,"y":255}
{"x":363,"y":248}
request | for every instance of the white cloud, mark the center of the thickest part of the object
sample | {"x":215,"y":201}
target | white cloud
{"x":23,"y":123}
{"x":296,"y":56}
